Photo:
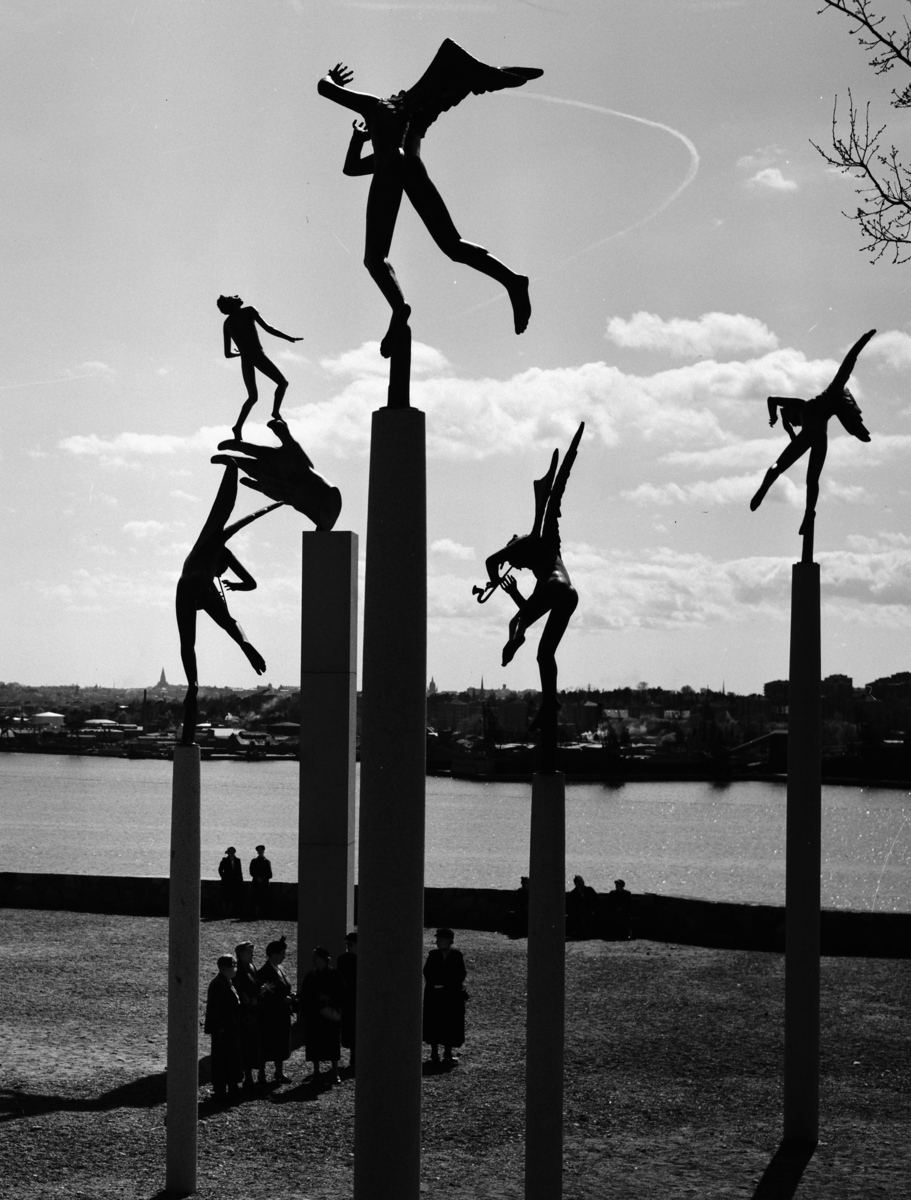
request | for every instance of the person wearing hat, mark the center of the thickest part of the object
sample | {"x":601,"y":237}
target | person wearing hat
{"x":346,"y":964}
{"x":232,"y":883}
{"x":322,"y":1003}
{"x":260,"y":874}
{"x":223,"y":1026}
{"x":444,"y":999}
{"x":581,"y":909}
{"x":249,"y":989}
{"x":276,"y":1004}
{"x":619,"y":904}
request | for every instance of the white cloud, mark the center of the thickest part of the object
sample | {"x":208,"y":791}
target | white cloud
{"x":149,"y":529}
{"x":893,"y":347}
{"x":711,"y":334}
{"x":366,"y":360}
{"x":89,"y":370}
{"x":771,"y":177}
{"x":733,"y":489}
{"x":453,"y":549}
{"x":180,"y":495}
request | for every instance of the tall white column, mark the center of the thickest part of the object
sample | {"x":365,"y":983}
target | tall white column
{"x":183,"y":975}
{"x":803,"y":862}
{"x":328,"y":703}
{"x":387,"y":1124}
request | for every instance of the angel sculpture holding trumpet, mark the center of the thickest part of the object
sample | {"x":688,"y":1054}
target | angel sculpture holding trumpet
{"x":554,"y":594}
{"x":813,"y":416}
{"x":396,"y":125}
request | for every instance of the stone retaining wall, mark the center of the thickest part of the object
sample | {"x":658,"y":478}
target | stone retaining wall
{"x":658,"y":918}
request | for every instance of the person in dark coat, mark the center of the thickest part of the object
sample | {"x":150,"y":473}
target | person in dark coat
{"x":231,"y":873}
{"x":260,"y":874}
{"x":276,"y":1004}
{"x":581,"y":908}
{"x":619,"y":904}
{"x":223,"y":1026}
{"x":322,"y":1002}
{"x":346,"y":965}
{"x":249,"y":989}
{"x":444,"y":998}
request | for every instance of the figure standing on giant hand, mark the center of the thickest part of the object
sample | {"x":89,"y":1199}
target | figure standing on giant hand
{"x":396,"y":125}
{"x":813,"y":417}
{"x":240,"y":329}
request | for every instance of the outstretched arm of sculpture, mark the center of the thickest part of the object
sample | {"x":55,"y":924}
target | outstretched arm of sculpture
{"x":334,"y":86}
{"x":275,"y":332}
{"x":355,"y":164}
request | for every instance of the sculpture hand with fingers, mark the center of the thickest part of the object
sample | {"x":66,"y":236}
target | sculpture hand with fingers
{"x":396,"y":126}
{"x":812,"y":417}
{"x":553,"y":594}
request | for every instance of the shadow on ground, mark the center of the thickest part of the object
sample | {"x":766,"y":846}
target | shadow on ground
{"x":781,"y":1178}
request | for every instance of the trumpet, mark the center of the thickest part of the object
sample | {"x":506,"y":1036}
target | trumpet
{"x":484,"y":593}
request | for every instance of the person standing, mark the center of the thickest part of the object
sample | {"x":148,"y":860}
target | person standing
{"x":231,"y":873}
{"x":223,"y":1026}
{"x":260,"y":874}
{"x":581,"y":908}
{"x":322,"y":1002}
{"x":619,"y":904}
{"x":249,"y":989}
{"x":276,"y":1003}
{"x":444,"y":998}
{"x":347,"y":968}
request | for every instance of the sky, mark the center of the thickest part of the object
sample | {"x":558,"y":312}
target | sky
{"x":688,"y":257}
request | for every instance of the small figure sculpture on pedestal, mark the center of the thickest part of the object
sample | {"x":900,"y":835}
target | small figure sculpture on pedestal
{"x":395,"y":125}
{"x":554,"y":594}
{"x":240,"y":328}
{"x":199,"y":589}
{"x":813,"y":417}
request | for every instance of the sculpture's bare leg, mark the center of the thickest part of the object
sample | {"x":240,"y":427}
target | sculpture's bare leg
{"x":818,"y":453}
{"x":249,"y":375}
{"x":271,"y":371}
{"x":431,"y":208}
{"x":550,"y":640}
{"x":788,"y":457}
{"x":383,"y":203}
{"x":218,"y":611}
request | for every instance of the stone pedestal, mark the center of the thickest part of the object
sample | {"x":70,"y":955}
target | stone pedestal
{"x":328,"y":702}
{"x":387,"y":1125}
{"x":183,"y":975}
{"x":546,"y":989}
{"x":802,"y":863}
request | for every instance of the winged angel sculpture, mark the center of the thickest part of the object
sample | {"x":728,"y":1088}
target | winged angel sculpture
{"x":396,"y":126}
{"x":539,"y":552}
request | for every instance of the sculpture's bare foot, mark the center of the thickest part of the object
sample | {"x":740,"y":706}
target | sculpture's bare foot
{"x":521,"y":304}
{"x":257,"y":662}
{"x":807,"y":523}
{"x":509,"y":650}
{"x":397,"y":326}
{"x":237,"y":433}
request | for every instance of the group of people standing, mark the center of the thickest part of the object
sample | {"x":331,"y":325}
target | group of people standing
{"x":249,"y":1013}
{"x":231,"y":874}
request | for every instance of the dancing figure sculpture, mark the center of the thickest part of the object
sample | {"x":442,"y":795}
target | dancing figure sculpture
{"x":199,"y":589}
{"x":240,"y":328}
{"x":396,"y":125}
{"x":554,"y":594}
{"x":285,"y":473}
{"x":813,"y":417}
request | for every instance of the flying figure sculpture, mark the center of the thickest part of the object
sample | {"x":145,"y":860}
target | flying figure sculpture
{"x":813,"y":417}
{"x":396,"y":125}
{"x":198,"y":589}
{"x":554,"y":594}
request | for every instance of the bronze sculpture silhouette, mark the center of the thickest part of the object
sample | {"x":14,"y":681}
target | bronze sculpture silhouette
{"x":813,"y":417}
{"x":285,"y":473}
{"x":554,"y":594}
{"x":240,"y":328}
{"x":198,"y":590}
{"x":396,"y":124}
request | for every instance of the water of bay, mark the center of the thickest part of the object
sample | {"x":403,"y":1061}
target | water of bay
{"x":111,"y":816}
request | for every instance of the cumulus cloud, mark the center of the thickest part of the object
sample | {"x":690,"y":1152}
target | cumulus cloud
{"x":711,"y":334}
{"x":149,"y":529}
{"x":367,"y":360}
{"x":771,"y":177}
{"x":893,"y":347}
{"x":731,"y":489}
{"x":88,"y":370}
{"x":453,"y":549}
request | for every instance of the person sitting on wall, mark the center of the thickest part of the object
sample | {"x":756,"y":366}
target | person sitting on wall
{"x":619,"y":905}
{"x":581,"y":909}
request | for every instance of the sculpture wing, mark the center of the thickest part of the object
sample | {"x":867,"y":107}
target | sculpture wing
{"x":453,"y":75}
{"x":556,"y":493}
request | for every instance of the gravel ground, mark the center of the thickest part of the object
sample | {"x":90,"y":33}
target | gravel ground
{"x":673,"y":1076}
